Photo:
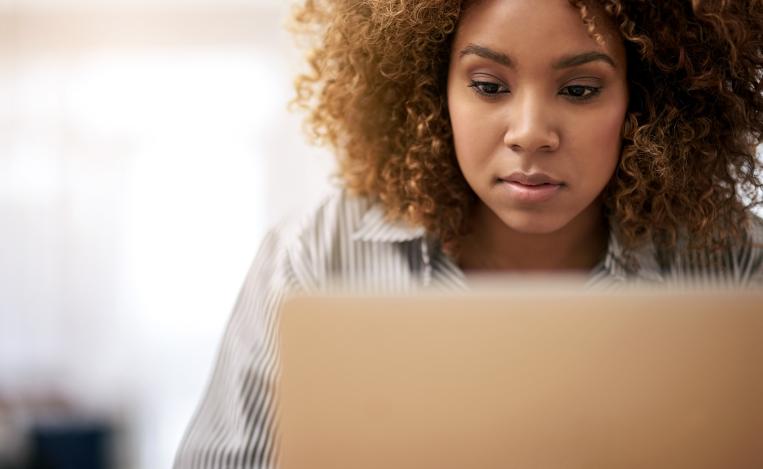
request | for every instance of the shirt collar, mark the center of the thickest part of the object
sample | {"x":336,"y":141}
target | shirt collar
{"x":375,"y":227}
{"x":643,"y":265}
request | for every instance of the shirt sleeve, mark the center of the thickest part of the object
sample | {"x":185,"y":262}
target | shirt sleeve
{"x":233,"y":427}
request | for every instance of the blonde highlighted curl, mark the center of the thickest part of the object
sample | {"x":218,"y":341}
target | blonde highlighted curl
{"x":376,"y":94}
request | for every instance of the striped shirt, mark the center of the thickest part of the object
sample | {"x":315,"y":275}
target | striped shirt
{"x":348,"y":239}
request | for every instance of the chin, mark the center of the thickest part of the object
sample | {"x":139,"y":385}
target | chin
{"x":533,"y":222}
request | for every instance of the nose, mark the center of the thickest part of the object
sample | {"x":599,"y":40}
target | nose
{"x":531,"y":127}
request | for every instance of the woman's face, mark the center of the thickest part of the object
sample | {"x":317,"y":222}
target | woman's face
{"x":537,"y":108}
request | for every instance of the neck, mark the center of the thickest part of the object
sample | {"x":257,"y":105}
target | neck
{"x":494,"y":246}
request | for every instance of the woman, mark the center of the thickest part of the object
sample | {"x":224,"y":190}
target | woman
{"x":611,"y":138}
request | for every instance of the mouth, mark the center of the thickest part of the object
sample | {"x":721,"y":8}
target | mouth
{"x":531,"y":188}
{"x":531,"y":180}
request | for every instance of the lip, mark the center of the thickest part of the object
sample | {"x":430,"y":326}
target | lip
{"x":534,"y":179}
{"x":531,"y":188}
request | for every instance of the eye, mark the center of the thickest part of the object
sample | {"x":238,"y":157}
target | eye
{"x":580,"y":92}
{"x":488,"y":88}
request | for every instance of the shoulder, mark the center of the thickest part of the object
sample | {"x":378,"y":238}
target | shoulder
{"x":290,"y":253}
{"x":347,"y":240}
{"x":310,"y":244}
{"x":746,"y":257}
{"x":755,"y":232}
{"x":751,"y":252}
{"x":739,"y":265}
{"x":315,"y":238}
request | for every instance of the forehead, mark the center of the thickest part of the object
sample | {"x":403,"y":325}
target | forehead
{"x":536,"y":28}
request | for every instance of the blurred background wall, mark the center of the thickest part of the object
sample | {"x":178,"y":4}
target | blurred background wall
{"x":145,"y":147}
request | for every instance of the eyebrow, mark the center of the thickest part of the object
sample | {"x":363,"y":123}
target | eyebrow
{"x":584,"y":58}
{"x":487,"y":53}
{"x":565,"y":62}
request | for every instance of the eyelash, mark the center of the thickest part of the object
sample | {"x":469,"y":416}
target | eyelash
{"x":477,"y":86}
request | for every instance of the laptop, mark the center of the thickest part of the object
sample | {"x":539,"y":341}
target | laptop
{"x":530,"y":378}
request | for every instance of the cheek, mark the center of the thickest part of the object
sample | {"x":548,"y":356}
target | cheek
{"x":610,"y":136}
{"x":473,"y":134}
{"x":598,"y":141}
{"x":463,"y":128}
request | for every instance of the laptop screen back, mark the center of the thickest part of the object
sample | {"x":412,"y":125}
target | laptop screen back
{"x":523,"y":380}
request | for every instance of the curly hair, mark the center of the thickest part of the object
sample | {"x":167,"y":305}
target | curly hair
{"x":376,"y":93}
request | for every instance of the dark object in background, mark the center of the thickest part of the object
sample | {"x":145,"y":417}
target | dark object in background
{"x":71,"y":445}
